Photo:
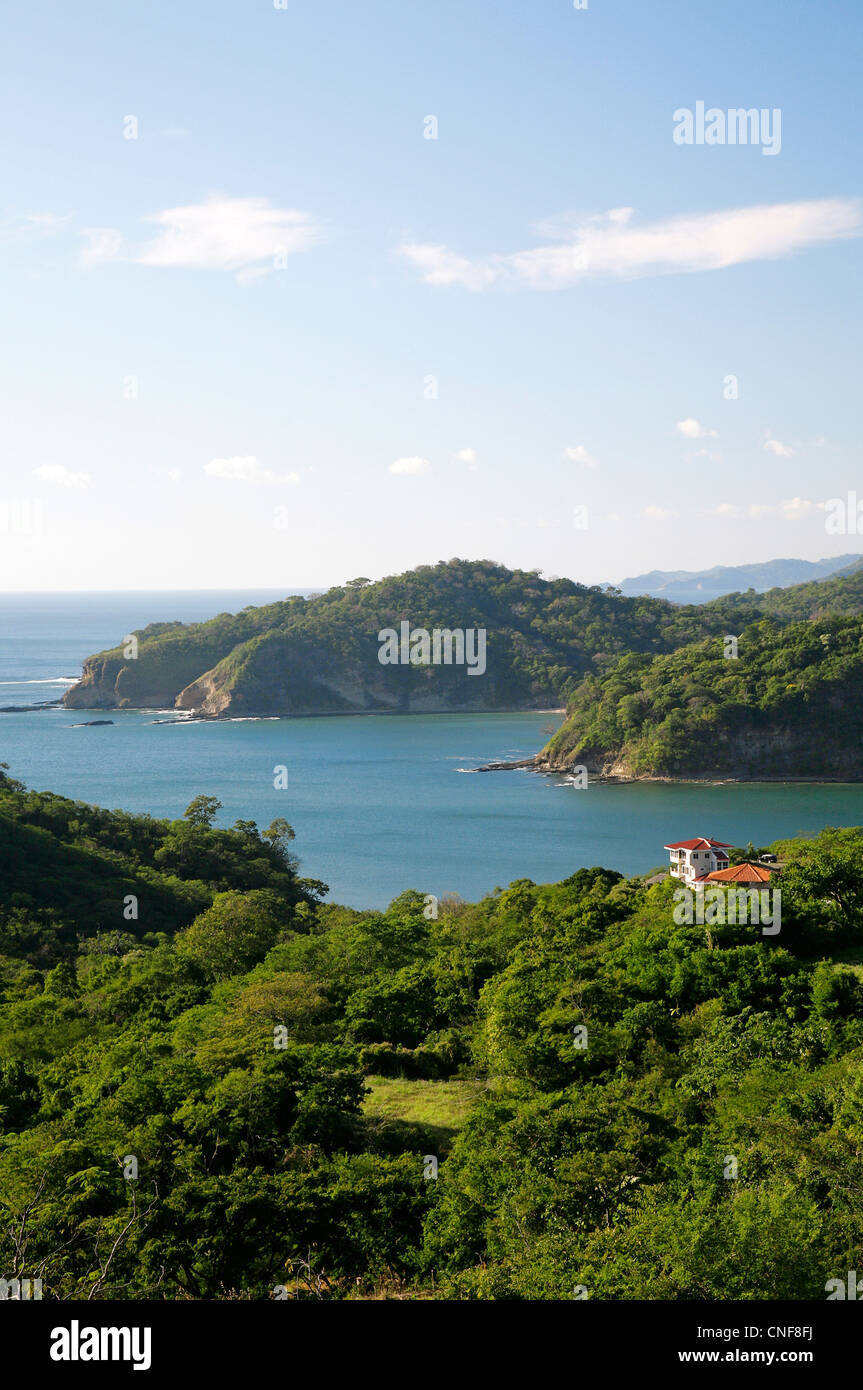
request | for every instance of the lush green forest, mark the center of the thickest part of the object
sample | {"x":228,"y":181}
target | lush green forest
{"x":789,"y":704}
{"x":646,"y":688}
{"x":320,"y":655}
{"x":841,"y":595}
{"x":213,"y":1085}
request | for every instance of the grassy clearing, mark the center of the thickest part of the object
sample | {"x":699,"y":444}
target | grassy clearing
{"x":439,"y":1108}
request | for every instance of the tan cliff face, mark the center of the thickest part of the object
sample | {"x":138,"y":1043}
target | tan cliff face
{"x":334,"y":690}
{"x":111,"y":684}
{"x":98,"y":686}
{"x":276,"y":679}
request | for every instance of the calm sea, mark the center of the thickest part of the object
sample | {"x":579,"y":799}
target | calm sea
{"x":379,"y":804}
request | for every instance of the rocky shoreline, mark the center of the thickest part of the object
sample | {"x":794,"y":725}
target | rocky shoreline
{"x":536,"y":764}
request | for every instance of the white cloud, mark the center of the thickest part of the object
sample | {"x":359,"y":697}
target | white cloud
{"x":579,"y":454}
{"x":610,"y":245}
{"x":693,"y":430}
{"x":791,"y":509}
{"x":782,"y":451}
{"x":410,"y":465}
{"x":654,"y":513}
{"x":245,"y":235}
{"x":60,"y":474}
{"x":441,"y":266}
{"x":246,"y":469}
{"x":468,"y":456}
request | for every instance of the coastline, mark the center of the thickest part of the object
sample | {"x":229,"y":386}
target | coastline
{"x":534,"y":765}
{"x":184,"y":716}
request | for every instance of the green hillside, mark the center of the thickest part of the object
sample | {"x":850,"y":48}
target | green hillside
{"x":789,"y":706}
{"x":512,"y":1099}
{"x":841,"y":594}
{"x":320,"y":655}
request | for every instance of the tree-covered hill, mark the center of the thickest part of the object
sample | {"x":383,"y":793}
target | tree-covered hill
{"x":629,"y":1108}
{"x":842,"y":594}
{"x":790,"y":705}
{"x":67,"y":869}
{"x":320,"y":654}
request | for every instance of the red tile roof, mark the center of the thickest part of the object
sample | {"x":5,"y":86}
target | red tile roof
{"x":698,"y":844}
{"x":741,"y":873}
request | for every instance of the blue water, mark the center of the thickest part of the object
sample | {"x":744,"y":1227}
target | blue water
{"x":379,"y":804}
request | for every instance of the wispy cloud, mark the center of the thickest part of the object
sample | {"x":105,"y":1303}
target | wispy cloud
{"x":246,"y":235}
{"x":578,"y":454}
{"x":654,"y":513}
{"x":61,"y":475}
{"x":31,"y":225}
{"x":412,"y":465}
{"x":791,"y":509}
{"x":246,"y":469}
{"x":782,"y":451}
{"x":612,"y":244}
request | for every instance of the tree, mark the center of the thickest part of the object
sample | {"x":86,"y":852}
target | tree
{"x":836,"y":993}
{"x":7,"y":783}
{"x":279,"y":832}
{"x":202,"y":811}
{"x":238,"y":930}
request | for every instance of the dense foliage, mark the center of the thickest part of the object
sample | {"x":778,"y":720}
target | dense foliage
{"x":189,"y":1107}
{"x":790,"y":704}
{"x":321,"y":654}
{"x":842,"y":594}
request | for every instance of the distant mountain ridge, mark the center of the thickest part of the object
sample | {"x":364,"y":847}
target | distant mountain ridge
{"x":699,"y":586}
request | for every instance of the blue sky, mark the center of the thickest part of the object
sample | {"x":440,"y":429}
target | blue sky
{"x":283,"y":338}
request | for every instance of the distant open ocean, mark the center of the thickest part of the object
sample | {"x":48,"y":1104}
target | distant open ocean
{"x":379,"y":804}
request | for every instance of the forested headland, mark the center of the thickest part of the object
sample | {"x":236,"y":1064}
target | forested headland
{"x":651,"y":689}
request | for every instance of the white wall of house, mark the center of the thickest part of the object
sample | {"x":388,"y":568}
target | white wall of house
{"x":689,"y":864}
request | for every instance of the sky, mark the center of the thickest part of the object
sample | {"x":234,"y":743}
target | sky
{"x":294,"y":293}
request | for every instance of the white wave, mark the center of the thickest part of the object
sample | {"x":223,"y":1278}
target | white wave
{"x":50,"y":680}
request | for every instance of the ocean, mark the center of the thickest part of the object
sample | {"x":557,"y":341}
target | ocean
{"x":379,"y":803}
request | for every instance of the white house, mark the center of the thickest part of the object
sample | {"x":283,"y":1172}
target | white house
{"x":693,"y":860}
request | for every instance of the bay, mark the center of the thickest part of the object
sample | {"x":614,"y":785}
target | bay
{"x":379,"y":803}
